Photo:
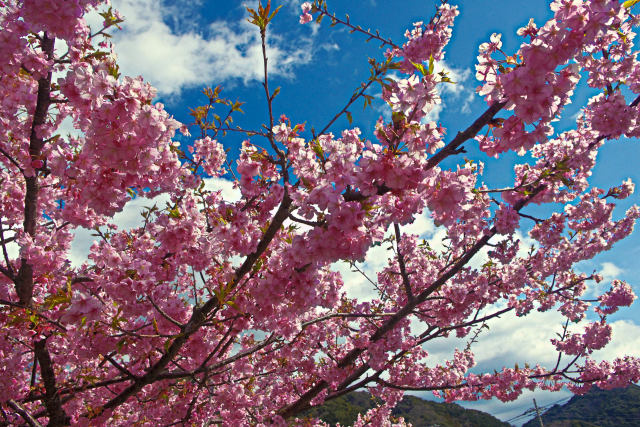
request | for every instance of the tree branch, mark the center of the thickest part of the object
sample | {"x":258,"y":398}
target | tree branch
{"x":57,"y":416}
{"x":24,"y":414}
{"x":199,"y":314}
{"x":24,"y":279}
{"x":452,"y":147}
{"x":356,"y":28}
{"x":303,"y":402}
{"x":403,"y":269}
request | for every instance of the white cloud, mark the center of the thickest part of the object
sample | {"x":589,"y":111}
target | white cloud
{"x":521,"y":340}
{"x":13,"y":250}
{"x":434,"y":114}
{"x":512,"y":339}
{"x":356,"y":285}
{"x":456,"y":92}
{"x":610,"y":271}
{"x":329,"y":46}
{"x":183,"y":13}
{"x":450,"y":93}
{"x":130,"y":217}
{"x":421,"y":226}
{"x":67,"y":128}
{"x":458,"y":75}
{"x":292,"y":5}
{"x":377,"y":258}
{"x":173,"y":60}
{"x":229,"y":192}
{"x":625,"y":341}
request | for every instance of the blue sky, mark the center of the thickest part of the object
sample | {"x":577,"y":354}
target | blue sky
{"x":182,"y":46}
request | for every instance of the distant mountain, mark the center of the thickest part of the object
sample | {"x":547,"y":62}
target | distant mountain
{"x":419,"y":412}
{"x":619,"y":407}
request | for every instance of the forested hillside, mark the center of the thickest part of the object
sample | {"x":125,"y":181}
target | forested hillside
{"x":419,"y":412}
{"x":619,"y":407}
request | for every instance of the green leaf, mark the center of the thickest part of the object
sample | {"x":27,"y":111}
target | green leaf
{"x":397,"y":117}
{"x":274,"y":13}
{"x":318,"y":150}
{"x":430,"y":64}
{"x":114,"y":71}
{"x":115,"y":322}
{"x":238,"y":104}
{"x":62,"y":296}
{"x":420,"y":68}
{"x":233,"y":305}
{"x":349,"y":117}
{"x":629,"y":3}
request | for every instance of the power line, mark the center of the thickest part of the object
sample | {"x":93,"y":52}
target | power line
{"x":538,"y":413}
{"x":532,"y":410}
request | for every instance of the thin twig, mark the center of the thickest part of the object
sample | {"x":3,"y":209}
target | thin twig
{"x":356,"y":28}
{"x":401,"y":263}
{"x":24,"y":414}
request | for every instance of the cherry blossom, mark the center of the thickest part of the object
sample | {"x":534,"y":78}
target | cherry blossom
{"x":233,"y":311}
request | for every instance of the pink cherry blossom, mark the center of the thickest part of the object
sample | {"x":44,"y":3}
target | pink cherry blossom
{"x":235,"y":312}
{"x":306,"y":16}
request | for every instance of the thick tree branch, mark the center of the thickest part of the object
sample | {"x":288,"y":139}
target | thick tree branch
{"x":452,"y":147}
{"x":57,"y":416}
{"x":199,"y":314}
{"x":303,"y":402}
{"x":24,"y":278}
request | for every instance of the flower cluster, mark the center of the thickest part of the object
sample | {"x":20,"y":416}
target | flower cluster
{"x":238,"y":312}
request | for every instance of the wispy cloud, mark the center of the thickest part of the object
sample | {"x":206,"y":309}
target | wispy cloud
{"x":513,"y":339}
{"x":455,"y":96}
{"x":610,"y":271}
{"x":130,"y":217}
{"x":356,"y":283}
{"x":175,"y":57}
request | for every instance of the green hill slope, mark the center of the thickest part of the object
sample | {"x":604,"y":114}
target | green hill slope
{"x":602,"y":408}
{"x":419,"y":412}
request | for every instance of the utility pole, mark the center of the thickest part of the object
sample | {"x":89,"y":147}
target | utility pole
{"x":538,"y":412}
